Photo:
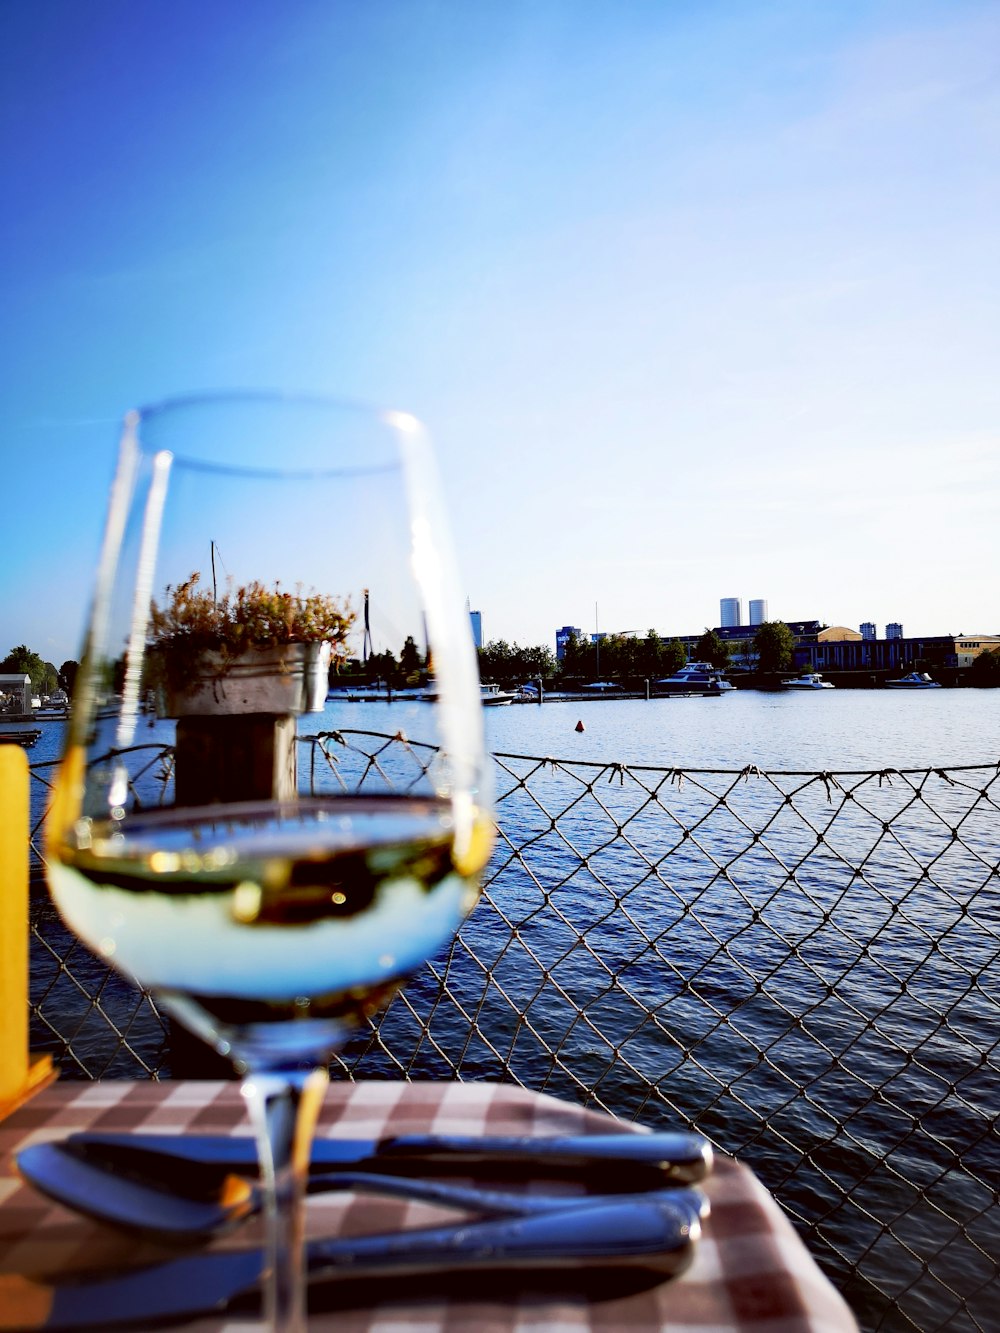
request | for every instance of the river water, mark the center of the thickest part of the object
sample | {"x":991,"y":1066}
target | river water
{"x":800,"y":730}
{"x":756,"y":975}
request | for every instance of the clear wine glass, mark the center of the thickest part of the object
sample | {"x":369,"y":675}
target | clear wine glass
{"x":244,"y":535}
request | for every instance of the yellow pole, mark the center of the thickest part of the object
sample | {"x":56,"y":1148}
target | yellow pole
{"x":18,"y":1075}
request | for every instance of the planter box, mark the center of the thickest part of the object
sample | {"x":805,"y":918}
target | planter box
{"x":282,"y":682}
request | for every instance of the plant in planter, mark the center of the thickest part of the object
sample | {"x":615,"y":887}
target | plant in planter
{"x":253,"y":649}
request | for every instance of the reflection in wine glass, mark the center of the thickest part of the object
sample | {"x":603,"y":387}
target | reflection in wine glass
{"x":244,"y":535}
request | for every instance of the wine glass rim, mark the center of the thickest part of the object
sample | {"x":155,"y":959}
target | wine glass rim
{"x":219,"y":397}
{"x":405,"y":425}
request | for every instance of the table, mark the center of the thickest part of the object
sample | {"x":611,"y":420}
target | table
{"x":750,"y":1271}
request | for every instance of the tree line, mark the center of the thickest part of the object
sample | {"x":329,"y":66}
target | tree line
{"x":617,"y":655}
{"x":624,"y":656}
{"x":44,"y":676}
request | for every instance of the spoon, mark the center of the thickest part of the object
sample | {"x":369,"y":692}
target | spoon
{"x":157,"y":1211}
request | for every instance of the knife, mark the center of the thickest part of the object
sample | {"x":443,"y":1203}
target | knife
{"x":649,"y":1240}
{"x":197,"y":1164}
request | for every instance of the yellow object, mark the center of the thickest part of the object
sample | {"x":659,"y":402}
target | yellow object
{"x":19,"y":1075}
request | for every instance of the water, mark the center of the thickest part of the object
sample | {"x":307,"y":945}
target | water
{"x":858,"y":970}
{"x":821,"y":731}
{"x":825,"y":730}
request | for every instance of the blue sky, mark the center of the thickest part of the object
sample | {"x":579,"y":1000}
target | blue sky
{"x":697,"y":299}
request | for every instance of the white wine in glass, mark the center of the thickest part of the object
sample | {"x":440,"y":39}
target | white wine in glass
{"x":243,"y":536}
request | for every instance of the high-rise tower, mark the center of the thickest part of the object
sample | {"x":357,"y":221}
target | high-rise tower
{"x":758,"y":611}
{"x":730,"y":612}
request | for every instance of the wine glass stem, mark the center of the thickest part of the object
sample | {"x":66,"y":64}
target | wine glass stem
{"x":283,"y":1107}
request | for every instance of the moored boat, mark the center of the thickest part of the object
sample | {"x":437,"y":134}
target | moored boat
{"x":493,"y":696}
{"x":696,"y":678}
{"x":809,"y":680}
{"x":916,"y":680}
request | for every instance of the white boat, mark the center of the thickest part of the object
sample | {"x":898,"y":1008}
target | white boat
{"x":809,"y":680}
{"x":696,"y":678}
{"x":493,"y":696}
{"x":916,"y":680}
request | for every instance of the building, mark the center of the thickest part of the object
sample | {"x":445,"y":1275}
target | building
{"x":730,"y":612}
{"x":15,"y":695}
{"x":476,"y":620}
{"x":758,"y":611}
{"x":562,"y":636}
{"x":934,"y":652}
{"x":894,"y":631}
{"x":869,"y":632}
{"x":969,"y":646}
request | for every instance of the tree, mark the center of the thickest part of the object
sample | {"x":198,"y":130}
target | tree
{"x":774,"y":644}
{"x":578,"y":657}
{"x":67,"y":675}
{"x":409,"y":658}
{"x":985,"y":669}
{"x":673,"y":658}
{"x":710,"y":648}
{"x":496,"y":660}
{"x":651,"y":653}
{"x":535,"y":662}
{"x":382,"y":666}
{"x":22,"y":661}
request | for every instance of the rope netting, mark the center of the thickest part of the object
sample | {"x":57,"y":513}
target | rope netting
{"x":803,"y":966}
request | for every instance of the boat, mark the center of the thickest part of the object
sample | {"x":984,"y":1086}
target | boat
{"x":809,"y":680}
{"x":916,"y":680}
{"x":493,"y":696}
{"x":696,"y":678}
{"x":53,"y":706}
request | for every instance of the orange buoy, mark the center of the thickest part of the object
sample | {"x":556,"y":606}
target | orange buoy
{"x":580,"y":727}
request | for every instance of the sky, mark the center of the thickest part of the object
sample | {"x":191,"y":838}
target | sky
{"x":696,"y":299}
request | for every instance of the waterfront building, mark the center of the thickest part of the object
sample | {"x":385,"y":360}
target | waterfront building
{"x":932,"y":653}
{"x":868,"y":631}
{"x":968,"y":647}
{"x":562,"y":637}
{"x":758,"y":612}
{"x":731,"y":612}
{"x":15,"y":694}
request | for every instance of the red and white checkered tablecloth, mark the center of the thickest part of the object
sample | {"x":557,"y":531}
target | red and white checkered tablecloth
{"x":750,"y":1270}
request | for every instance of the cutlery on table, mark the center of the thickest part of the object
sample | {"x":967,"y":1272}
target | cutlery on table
{"x":197,"y":1164}
{"x":633,"y":1235}
{"x":155,"y":1208}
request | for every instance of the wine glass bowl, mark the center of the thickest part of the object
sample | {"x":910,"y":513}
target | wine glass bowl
{"x":245,"y":535}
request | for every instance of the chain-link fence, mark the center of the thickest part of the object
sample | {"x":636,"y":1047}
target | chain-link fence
{"x":802,"y":966}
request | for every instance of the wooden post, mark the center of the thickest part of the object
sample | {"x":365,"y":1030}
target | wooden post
{"x":19,"y":1075}
{"x":235,"y":757}
{"x":222,"y":758}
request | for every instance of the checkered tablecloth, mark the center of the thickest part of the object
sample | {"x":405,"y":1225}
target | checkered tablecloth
{"x":750,"y":1270}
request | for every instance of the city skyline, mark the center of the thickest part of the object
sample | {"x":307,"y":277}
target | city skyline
{"x":684,"y":294}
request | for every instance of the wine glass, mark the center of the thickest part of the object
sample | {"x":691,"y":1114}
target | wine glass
{"x":244,"y":536}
